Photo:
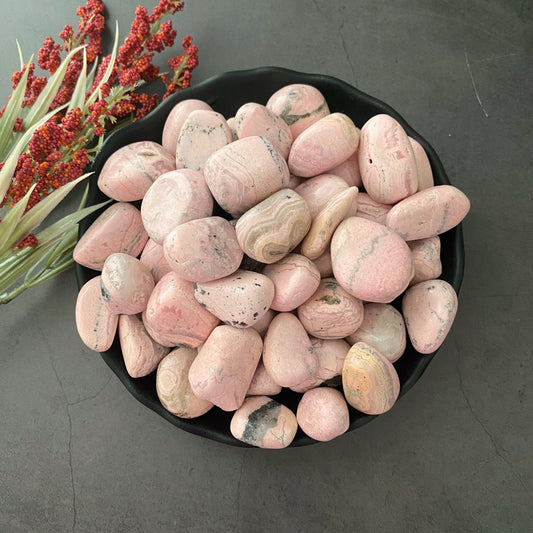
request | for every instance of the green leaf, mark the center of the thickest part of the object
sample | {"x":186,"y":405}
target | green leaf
{"x":39,"y":212}
{"x":78,"y":95}
{"x":42,"y":104}
{"x":11,"y":113}
{"x":9,"y":224}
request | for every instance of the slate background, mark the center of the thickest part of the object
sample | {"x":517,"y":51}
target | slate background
{"x":78,"y":453}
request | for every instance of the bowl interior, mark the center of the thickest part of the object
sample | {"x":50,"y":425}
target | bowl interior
{"x":226,"y":93}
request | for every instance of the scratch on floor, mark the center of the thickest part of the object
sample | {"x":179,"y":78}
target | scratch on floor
{"x":347,"y":54}
{"x":474,"y":86}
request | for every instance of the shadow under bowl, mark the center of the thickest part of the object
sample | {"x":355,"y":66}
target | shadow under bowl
{"x":225,"y":93}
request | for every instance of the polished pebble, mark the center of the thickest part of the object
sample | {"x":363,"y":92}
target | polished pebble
{"x":262,"y":384}
{"x":175,"y":120}
{"x":331,"y":312}
{"x":370,"y":382}
{"x":264,"y":423}
{"x":261,"y":325}
{"x":126,"y":284}
{"x":273,"y":228}
{"x":244,"y":173}
{"x":173,"y":387}
{"x":202,"y":134}
{"x":204,"y":249}
{"x":224,"y":367}
{"x":349,"y":170}
{"x":423,"y":166}
{"x":288,"y":353}
{"x":317,"y":240}
{"x":176,"y":197}
{"x":239,"y":300}
{"x":130,"y":171}
{"x":426,"y":259}
{"x":118,"y":229}
{"x":320,"y":190}
{"x":383,"y":327}
{"x":96,"y":325}
{"x":370,"y":261}
{"x":295,"y":279}
{"x":429,"y":212}
{"x":140,"y":352}
{"x":256,"y":119}
{"x":323,"y":145}
{"x":173,"y":317}
{"x":153,"y":257}
{"x":429,"y":309}
{"x":323,"y":263}
{"x":323,"y":414}
{"x":331,"y":354}
{"x":386,"y":160}
{"x":370,"y":209}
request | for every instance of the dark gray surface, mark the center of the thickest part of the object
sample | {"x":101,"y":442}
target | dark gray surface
{"x":77,"y":453}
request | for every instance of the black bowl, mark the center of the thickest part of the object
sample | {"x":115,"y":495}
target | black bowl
{"x":226,"y":93}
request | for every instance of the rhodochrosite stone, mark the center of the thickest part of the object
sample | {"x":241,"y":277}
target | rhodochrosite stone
{"x":429,"y":309}
{"x":323,"y":145}
{"x":128,"y":173}
{"x":173,"y":388}
{"x":426,"y":259}
{"x":299,"y":105}
{"x":118,"y":229}
{"x":244,"y":173}
{"x":370,"y":209}
{"x":255,"y":119}
{"x":264,"y":423}
{"x":428,"y":213}
{"x":320,"y":190}
{"x":383,"y":327}
{"x":423,"y":166}
{"x":152,"y":256}
{"x":175,"y":120}
{"x":369,"y":380}
{"x":386,"y":160}
{"x":176,"y":197}
{"x":223,"y":369}
{"x":140,"y":352}
{"x":370,"y":261}
{"x":96,"y":325}
{"x":331,"y":354}
{"x":262,"y":384}
{"x":173,"y":317}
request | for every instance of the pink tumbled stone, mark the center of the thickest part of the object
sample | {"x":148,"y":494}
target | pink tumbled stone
{"x":126,"y":284}
{"x":429,"y":212}
{"x":256,"y":119}
{"x":96,"y":325}
{"x":262,"y":384}
{"x":426,"y":259}
{"x":244,"y":173}
{"x":423,"y":166}
{"x":264,"y":423}
{"x":299,"y":105}
{"x":331,"y":354}
{"x":204,"y":249}
{"x":261,"y":325}
{"x":320,"y":190}
{"x":383,"y":328}
{"x":118,"y":229}
{"x":129,"y":171}
{"x":176,"y":197}
{"x":140,"y":352}
{"x":175,"y":120}
{"x":370,"y":209}
{"x":370,"y":261}
{"x":349,"y":170}
{"x":323,"y":145}
{"x":295,"y":279}
{"x":202,"y":134}
{"x":386,"y":160}
{"x":288,"y":353}
{"x":173,"y":317}
{"x":323,"y":414}
{"x":429,"y":309}
{"x":331,"y":312}
{"x":370,"y":382}
{"x":239,"y":300}
{"x":173,"y":388}
{"x":323,"y":263}
{"x":223,"y":369}
{"x":152,"y":256}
